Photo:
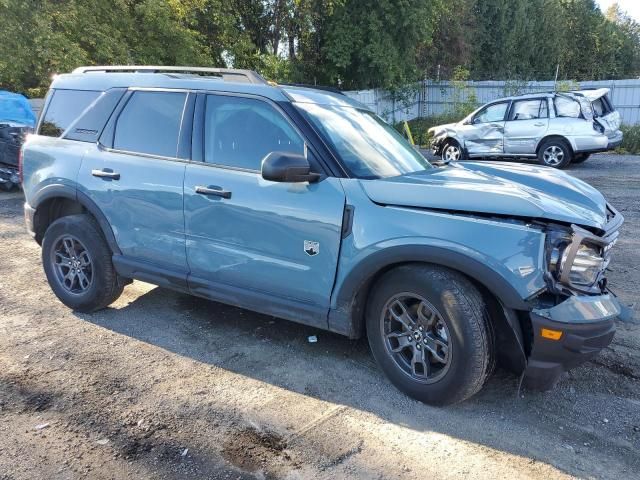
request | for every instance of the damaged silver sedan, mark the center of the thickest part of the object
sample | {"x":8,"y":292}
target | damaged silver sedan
{"x":557,"y":128}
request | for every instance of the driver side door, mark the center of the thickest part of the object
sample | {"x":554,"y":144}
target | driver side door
{"x":485,"y":134}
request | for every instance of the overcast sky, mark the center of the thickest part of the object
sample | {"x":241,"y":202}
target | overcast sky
{"x":631,"y":6}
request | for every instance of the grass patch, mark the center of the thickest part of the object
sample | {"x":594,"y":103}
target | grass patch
{"x":631,"y":140}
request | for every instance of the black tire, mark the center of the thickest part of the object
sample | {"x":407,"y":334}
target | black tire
{"x":459,"y":304}
{"x":555,"y":152}
{"x":7,"y":186}
{"x":580,"y":157}
{"x":457,"y":153}
{"x":104,"y":286}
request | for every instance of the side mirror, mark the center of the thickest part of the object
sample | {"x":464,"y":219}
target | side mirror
{"x":287,"y":167}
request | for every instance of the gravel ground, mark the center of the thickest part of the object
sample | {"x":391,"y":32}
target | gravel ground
{"x":163,"y":385}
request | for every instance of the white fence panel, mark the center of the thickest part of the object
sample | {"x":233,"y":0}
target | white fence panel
{"x":435,"y":98}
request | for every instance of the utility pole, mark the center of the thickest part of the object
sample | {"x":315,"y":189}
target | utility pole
{"x":555,"y":81}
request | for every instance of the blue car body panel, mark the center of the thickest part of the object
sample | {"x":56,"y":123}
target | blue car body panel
{"x":143,"y":207}
{"x":255,"y":239}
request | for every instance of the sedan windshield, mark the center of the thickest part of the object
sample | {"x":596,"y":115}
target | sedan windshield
{"x":367,"y":146}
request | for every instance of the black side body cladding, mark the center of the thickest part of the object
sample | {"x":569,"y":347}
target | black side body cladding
{"x":65,"y":191}
{"x":344,"y":318}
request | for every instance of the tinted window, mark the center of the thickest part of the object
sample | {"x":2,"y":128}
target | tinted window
{"x":493,"y":113}
{"x":150,"y":123}
{"x":529,"y":109}
{"x":90,"y":124}
{"x":240,"y":132}
{"x":64,"y":107}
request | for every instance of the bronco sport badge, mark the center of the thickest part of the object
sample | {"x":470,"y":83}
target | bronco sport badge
{"x":311,"y":248}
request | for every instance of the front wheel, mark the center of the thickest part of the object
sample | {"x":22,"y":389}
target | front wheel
{"x":429,"y":332}
{"x":451,"y":152}
{"x":555,"y":153}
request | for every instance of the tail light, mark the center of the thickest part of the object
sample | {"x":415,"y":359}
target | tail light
{"x":597,"y":127}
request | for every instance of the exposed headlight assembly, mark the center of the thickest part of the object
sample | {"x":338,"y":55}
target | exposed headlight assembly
{"x":577,"y":259}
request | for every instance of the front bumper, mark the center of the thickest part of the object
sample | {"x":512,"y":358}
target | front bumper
{"x":587,"y":325}
{"x":436,"y":146}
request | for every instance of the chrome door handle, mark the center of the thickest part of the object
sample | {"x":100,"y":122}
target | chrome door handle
{"x":218,"y":192}
{"x":106,"y":174}
{"x":539,"y":124}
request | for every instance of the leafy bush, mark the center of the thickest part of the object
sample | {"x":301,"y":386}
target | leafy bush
{"x":631,"y":140}
{"x":419,"y":126}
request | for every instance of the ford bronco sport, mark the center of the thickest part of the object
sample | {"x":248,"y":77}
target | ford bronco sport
{"x":302,"y":204}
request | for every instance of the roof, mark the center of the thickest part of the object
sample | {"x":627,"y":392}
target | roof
{"x":194,"y":78}
{"x":591,"y":94}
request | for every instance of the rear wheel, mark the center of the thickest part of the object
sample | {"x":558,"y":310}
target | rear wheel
{"x":77,"y":262}
{"x":580,"y":157}
{"x":555,"y":153}
{"x":429,"y":332}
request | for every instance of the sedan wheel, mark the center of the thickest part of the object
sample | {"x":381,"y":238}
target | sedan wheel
{"x":555,"y":153}
{"x":553,"y":156}
{"x":451,"y":153}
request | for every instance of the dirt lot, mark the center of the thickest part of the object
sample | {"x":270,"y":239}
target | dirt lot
{"x":162,"y":385}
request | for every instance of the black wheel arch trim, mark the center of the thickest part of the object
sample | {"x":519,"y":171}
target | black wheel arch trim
{"x":66,"y":191}
{"x":344,"y":318}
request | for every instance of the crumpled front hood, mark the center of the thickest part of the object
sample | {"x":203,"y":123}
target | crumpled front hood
{"x":439,"y":128}
{"x":495,"y":188}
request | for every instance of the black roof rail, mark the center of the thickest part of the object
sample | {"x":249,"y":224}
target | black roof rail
{"x":230,"y":74}
{"x":317,"y":87}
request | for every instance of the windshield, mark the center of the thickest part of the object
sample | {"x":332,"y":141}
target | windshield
{"x":367,"y":146}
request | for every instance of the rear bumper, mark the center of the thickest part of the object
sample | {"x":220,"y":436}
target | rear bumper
{"x":601,"y":143}
{"x":587,"y":325}
{"x":29,"y":214}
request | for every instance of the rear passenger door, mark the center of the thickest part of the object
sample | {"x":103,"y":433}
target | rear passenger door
{"x":271,"y":247}
{"x":135,"y":176}
{"x":527,"y":123}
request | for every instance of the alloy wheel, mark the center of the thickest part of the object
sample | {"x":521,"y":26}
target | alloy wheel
{"x":72,"y":264}
{"x":553,"y":155}
{"x":451,"y":153}
{"x":416,"y":337}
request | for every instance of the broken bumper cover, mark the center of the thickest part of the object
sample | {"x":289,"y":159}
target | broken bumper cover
{"x":587,"y":325}
{"x":436,"y":146}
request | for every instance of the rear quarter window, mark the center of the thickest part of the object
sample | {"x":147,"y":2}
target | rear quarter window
{"x":64,"y":107}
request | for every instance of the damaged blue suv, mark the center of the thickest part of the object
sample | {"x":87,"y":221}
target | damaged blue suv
{"x":302,"y":204}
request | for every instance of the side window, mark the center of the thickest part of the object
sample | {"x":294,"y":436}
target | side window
{"x":492,"y":113}
{"x":566,"y":107}
{"x":150,"y":123}
{"x":64,"y":107}
{"x":240,"y":132}
{"x":529,"y":109}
